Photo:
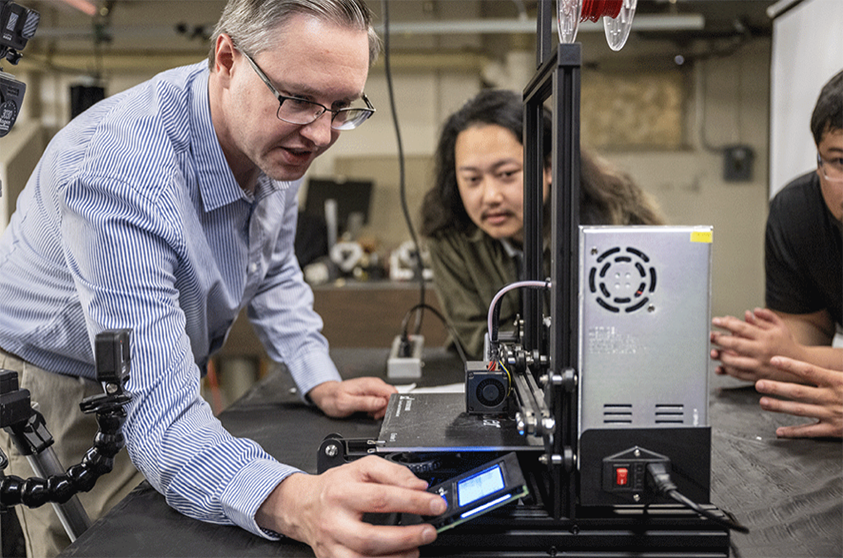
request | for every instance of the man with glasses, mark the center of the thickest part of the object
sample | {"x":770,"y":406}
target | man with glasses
{"x":786,"y":348}
{"x":166,"y":209}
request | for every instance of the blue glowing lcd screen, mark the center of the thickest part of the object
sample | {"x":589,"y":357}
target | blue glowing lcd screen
{"x":480,"y":485}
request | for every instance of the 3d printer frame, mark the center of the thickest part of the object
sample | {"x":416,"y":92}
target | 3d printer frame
{"x":569,"y":513}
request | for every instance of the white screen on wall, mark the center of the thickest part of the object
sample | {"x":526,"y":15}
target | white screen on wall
{"x":807,"y":51}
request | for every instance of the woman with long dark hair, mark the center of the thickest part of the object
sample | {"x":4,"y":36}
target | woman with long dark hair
{"x":472,"y":218}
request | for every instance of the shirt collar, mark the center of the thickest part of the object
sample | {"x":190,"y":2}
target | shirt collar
{"x":510,"y":250}
{"x":217,"y":184}
{"x":478,"y":235}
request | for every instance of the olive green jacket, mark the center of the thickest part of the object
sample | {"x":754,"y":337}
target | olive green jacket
{"x":468,"y":271}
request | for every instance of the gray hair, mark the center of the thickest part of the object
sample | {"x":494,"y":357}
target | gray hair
{"x":253,"y":24}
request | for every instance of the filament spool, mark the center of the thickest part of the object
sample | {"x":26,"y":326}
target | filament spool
{"x":618,"y":26}
{"x":593,"y":10}
{"x":568,"y":14}
{"x":617,"y":19}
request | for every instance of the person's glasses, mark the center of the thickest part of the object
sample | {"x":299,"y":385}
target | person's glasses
{"x":832,"y":169}
{"x":294,"y":110}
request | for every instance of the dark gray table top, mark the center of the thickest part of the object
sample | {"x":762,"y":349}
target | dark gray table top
{"x":788,"y":492}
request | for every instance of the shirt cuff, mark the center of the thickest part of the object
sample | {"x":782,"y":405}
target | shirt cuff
{"x":312,"y":369}
{"x":249,"y":488}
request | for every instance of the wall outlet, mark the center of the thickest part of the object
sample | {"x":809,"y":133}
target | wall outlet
{"x":737,"y":163}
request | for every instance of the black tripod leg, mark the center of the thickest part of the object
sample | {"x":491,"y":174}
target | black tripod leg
{"x":72,"y":515}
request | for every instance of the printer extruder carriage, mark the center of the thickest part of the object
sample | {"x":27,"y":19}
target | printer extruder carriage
{"x":615,"y":380}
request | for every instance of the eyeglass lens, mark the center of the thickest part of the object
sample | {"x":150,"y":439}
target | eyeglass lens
{"x":832,"y":169}
{"x":300,"y":111}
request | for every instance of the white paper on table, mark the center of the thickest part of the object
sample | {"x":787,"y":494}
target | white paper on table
{"x":448,"y":388}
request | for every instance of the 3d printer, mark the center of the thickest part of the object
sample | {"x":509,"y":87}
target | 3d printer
{"x":603,"y":402}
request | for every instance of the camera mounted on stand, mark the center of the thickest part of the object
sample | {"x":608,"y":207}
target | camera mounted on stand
{"x":27,"y":429}
{"x":17,"y":26}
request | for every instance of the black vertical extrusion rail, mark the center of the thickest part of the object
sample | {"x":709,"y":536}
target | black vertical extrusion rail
{"x":558,"y":75}
{"x":544,"y":40}
{"x":533,"y":191}
{"x":565,"y":220}
{"x":533,"y":241}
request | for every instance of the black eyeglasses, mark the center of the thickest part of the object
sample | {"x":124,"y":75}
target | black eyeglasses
{"x":294,"y":110}
{"x":832,"y":169}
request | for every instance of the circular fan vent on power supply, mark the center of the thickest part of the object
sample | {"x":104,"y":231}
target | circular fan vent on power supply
{"x":622,"y":279}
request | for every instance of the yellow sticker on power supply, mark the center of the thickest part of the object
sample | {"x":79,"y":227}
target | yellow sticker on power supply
{"x":702,"y":236}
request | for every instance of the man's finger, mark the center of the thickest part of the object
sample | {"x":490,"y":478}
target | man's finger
{"x":379,"y":470}
{"x":800,"y":392}
{"x":810,"y":430}
{"x":768,"y":316}
{"x":369,"y":385}
{"x":739,"y":373}
{"x":733,"y":325}
{"x":736,"y":344}
{"x":802,"y":370}
{"x":386,"y":540}
{"x":739,"y":362}
{"x":368,"y":403}
{"x":383,"y":498}
{"x":796,"y":408}
{"x":749,"y":318}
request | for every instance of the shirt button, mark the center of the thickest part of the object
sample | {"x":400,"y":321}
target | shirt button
{"x":253,"y":267}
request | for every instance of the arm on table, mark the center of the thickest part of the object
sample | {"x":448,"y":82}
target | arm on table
{"x":745,"y":351}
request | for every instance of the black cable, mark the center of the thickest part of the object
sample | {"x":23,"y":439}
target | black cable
{"x":401,"y":170}
{"x":663,"y":485}
{"x":436,"y":313}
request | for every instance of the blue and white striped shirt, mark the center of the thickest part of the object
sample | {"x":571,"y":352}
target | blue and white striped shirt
{"x":133,"y":219}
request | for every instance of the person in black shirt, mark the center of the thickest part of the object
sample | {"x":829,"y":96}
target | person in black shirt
{"x":804,"y":291}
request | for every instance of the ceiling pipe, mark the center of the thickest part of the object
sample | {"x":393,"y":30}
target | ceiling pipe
{"x":130,"y":61}
{"x":643,"y":23}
